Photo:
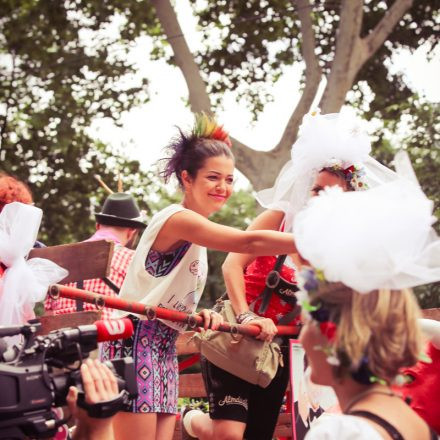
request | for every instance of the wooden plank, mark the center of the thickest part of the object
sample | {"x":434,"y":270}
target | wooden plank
{"x":191,"y":385}
{"x":431,"y":314}
{"x":55,"y":322}
{"x":84,"y":261}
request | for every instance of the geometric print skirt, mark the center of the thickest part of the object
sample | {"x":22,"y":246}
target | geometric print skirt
{"x":153,"y":348}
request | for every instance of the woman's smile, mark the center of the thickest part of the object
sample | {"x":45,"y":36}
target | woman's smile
{"x":218,"y":197}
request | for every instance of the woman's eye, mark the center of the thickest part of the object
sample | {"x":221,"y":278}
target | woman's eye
{"x":230,"y":181}
{"x":212,"y":177}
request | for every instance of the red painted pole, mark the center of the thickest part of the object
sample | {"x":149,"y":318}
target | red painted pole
{"x":152,"y":312}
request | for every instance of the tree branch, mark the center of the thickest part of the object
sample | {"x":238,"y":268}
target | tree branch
{"x":379,"y":34}
{"x":345,"y":63}
{"x":313,"y":75}
{"x":198,"y":95}
{"x":246,"y":158}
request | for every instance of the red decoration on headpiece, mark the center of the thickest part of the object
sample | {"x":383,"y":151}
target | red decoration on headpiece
{"x":350,"y":169}
{"x":221,"y":135}
{"x":328,"y":329}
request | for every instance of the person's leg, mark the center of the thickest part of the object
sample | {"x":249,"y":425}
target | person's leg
{"x":135,"y":426}
{"x":265,"y":404}
{"x":152,"y":413}
{"x":228,"y":405}
{"x":165,"y":426}
{"x":206,"y":428}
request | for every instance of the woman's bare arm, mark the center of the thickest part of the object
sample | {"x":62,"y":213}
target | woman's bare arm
{"x":189,"y":226}
{"x":233,"y":272}
{"x":235,"y":264}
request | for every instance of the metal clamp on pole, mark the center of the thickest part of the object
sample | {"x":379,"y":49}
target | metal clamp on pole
{"x":54,"y":292}
{"x":150,"y":313}
{"x":100,"y":302}
{"x":192,"y":321}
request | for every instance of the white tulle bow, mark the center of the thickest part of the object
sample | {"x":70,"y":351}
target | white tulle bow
{"x":380,"y":238}
{"x":24,"y":282}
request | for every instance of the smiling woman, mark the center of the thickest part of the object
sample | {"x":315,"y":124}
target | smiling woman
{"x":169,"y":269}
{"x":212,"y":187}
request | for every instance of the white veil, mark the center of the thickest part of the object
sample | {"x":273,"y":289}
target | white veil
{"x":324,"y":140}
{"x":380,"y":238}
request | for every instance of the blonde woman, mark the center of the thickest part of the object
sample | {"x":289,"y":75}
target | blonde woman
{"x":379,"y":333}
{"x":361,"y":318}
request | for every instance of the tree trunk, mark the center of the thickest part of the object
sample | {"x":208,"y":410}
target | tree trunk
{"x":248,"y":161}
{"x":351,"y":52}
{"x":198,"y":96}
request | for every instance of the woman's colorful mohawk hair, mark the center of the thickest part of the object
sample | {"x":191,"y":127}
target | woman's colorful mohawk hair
{"x":207,"y":127}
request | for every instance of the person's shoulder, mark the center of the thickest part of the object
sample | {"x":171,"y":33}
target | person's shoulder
{"x":165,"y":213}
{"x":123,"y":251}
{"x":174,"y":207}
{"x":342,"y":427}
{"x":178,"y":214}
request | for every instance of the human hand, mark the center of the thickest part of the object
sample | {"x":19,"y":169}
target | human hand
{"x":268,"y":329}
{"x":99,"y":385}
{"x":211,"y":319}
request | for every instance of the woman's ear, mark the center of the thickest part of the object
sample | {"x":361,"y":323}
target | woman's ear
{"x":186,"y":179}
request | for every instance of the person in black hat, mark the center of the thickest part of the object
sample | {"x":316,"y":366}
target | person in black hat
{"x":119,"y":221}
{"x":121,"y":210}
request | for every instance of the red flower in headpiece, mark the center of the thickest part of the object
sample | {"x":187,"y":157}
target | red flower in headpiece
{"x":350,"y":169}
{"x":328,"y":329}
{"x":221,"y":135}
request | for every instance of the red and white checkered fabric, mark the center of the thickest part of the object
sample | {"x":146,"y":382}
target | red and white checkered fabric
{"x":122,"y":257}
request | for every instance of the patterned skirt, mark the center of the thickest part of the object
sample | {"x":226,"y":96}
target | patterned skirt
{"x":153,"y":348}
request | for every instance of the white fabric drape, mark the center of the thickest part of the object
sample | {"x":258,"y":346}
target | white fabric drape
{"x":324,"y":140}
{"x":24,"y":282}
{"x":380,"y":238}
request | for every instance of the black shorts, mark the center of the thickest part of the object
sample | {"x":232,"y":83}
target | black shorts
{"x":232,"y":398}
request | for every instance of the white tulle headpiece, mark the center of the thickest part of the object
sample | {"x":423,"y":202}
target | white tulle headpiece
{"x":24,"y":282}
{"x":324,"y":141}
{"x":380,"y":238}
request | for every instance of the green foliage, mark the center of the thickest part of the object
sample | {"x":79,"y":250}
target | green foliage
{"x":63,"y":64}
{"x":248,"y":44}
{"x":421,"y":139}
{"x":189,"y":402}
{"x":420,"y":122}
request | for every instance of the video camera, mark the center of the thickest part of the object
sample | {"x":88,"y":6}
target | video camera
{"x":36,"y":376}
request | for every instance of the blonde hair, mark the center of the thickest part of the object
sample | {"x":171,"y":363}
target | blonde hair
{"x":380,"y":326}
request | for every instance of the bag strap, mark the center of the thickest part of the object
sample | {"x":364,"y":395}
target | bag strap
{"x":289,"y":317}
{"x":387,"y":426}
{"x":111,"y":284}
{"x":80,"y":285}
{"x":280,"y":340}
{"x":79,"y":303}
{"x":266,"y":294}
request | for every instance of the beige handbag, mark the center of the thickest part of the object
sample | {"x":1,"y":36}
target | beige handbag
{"x":248,"y":358}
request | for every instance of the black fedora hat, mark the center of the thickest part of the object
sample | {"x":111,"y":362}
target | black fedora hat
{"x":120,"y":209}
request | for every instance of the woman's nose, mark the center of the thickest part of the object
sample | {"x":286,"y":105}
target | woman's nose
{"x":221,"y":187}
